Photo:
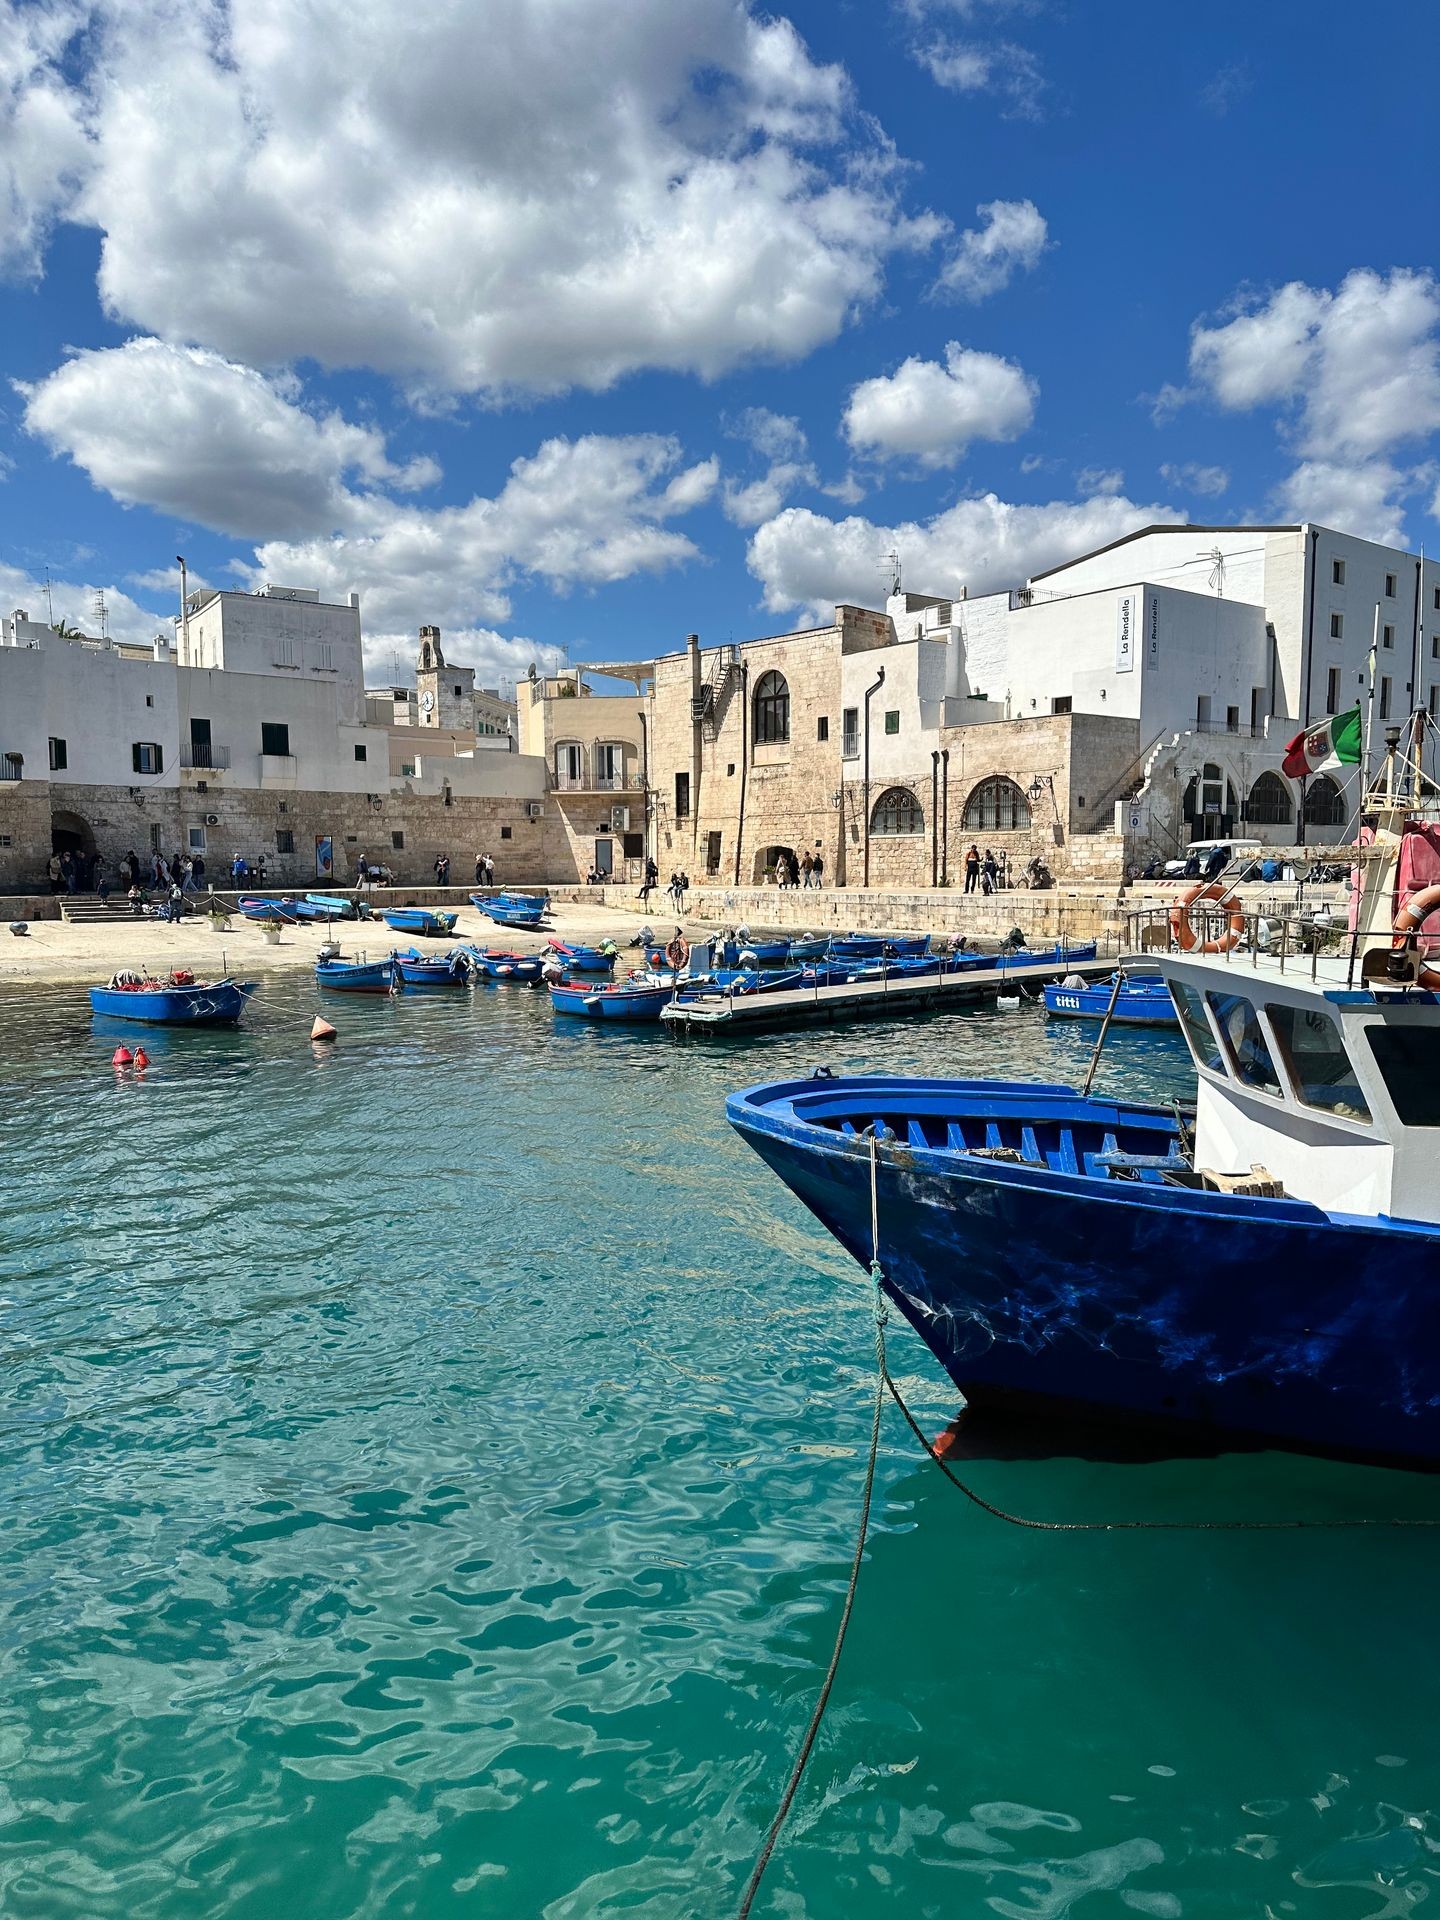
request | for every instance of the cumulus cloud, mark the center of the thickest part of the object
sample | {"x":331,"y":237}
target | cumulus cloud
{"x":778,"y":436}
{"x":804,"y":560}
{"x":1100,"y":480}
{"x":1010,"y":240}
{"x":641,"y":186}
{"x":933,"y":412}
{"x":184,"y":431}
{"x":1193,"y":478}
{"x":1353,"y":375}
{"x":1009,"y":72}
{"x":43,"y":147}
{"x":73,"y":599}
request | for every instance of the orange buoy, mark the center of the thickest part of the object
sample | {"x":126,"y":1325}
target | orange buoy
{"x":122,"y":1057}
{"x":322,"y":1030}
{"x":142,"y":1059}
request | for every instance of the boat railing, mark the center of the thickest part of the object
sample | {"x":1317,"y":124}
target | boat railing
{"x":1293,"y":942}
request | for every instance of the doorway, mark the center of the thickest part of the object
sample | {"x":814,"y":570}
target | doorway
{"x":605,"y":858}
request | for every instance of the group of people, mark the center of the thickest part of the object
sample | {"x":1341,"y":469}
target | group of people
{"x":241,"y":870}
{"x":809,"y":873}
{"x":73,"y":872}
{"x":677,"y":889}
{"x":987,"y":872}
{"x":484,"y":870}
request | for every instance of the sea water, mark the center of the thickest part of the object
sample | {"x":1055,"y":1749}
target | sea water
{"x":428,"y":1475}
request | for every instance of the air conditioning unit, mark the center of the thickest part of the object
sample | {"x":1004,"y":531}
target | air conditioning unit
{"x":619,"y":819}
{"x":212,"y":819}
{"x":534,"y":809}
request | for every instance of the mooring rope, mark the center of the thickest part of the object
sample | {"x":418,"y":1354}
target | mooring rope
{"x":885,"y":1384}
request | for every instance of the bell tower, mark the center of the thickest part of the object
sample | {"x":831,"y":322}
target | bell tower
{"x":444,"y":696}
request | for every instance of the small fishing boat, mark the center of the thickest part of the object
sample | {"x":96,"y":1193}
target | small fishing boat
{"x":577,"y":959}
{"x":177,"y":1000}
{"x":424,"y":921}
{"x":356,"y":976}
{"x":1143,"y":1000}
{"x":757,"y":953}
{"x":627,"y":1000}
{"x":415,"y":969}
{"x":523,"y":910}
{"x":1059,"y":954}
{"x":332,"y":906}
{"x":1265,"y":1268}
{"x":493,"y":963}
{"x":254,"y":907}
{"x":809,"y":947}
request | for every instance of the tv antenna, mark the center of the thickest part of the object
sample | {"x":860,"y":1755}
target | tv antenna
{"x":101,"y":612}
{"x":890,"y":562}
{"x":1217,"y":569}
{"x":49,"y":601}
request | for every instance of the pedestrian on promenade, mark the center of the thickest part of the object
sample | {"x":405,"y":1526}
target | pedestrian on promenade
{"x":479,"y":869}
{"x":807,"y":868}
{"x":817,"y":868}
{"x":972,"y":868}
{"x":197,"y":867}
{"x":187,"y":884}
{"x":989,"y":868}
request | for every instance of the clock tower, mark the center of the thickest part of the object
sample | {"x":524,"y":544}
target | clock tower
{"x":445,"y":696}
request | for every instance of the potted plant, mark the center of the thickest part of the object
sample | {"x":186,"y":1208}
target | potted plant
{"x":270,"y":927}
{"x":218,"y":917}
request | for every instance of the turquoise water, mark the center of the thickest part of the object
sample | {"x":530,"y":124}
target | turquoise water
{"x":430,"y":1468}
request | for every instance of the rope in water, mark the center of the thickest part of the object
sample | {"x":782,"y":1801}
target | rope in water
{"x":885,"y":1384}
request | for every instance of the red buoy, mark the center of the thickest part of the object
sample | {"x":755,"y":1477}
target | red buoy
{"x":142,"y":1059}
{"x":122,"y":1057}
{"x":322,"y":1030}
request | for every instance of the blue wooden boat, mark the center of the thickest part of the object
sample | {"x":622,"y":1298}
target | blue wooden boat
{"x":625,"y":1001}
{"x":432,"y":970}
{"x":523,"y":910}
{"x":578,"y":959}
{"x":420,"y":920}
{"x":493,"y":963}
{"x":1059,"y":954}
{"x":179,"y":1001}
{"x":857,"y":946}
{"x":356,"y":976}
{"x":1143,"y":1000}
{"x":255,"y":907}
{"x":333,"y":906}
{"x":807,"y":949}
{"x":1268,"y":1270}
{"x":757,"y":953}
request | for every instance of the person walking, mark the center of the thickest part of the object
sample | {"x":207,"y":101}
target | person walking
{"x":972,"y":868}
{"x":807,"y":867}
{"x":187,"y":883}
{"x":817,"y":868}
{"x":479,"y":869}
{"x":197,"y":868}
{"x":989,"y":867}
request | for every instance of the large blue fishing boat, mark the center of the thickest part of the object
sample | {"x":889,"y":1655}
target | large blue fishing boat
{"x":1270,"y":1268}
{"x":628,"y":1000}
{"x":180,"y":1000}
{"x":581,"y":959}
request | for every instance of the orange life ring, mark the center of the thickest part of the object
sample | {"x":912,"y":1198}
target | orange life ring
{"x":1186,"y":937}
{"x":678,"y":952}
{"x":1410,"y":918}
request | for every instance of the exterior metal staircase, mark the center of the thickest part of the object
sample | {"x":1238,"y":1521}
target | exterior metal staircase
{"x":708,"y":706}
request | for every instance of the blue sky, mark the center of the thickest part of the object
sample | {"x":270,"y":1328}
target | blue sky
{"x":576,"y":327}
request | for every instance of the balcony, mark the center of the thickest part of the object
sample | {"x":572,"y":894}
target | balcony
{"x":12,"y":767}
{"x":596,"y":783}
{"x":279,"y":770}
{"x":201,"y":757}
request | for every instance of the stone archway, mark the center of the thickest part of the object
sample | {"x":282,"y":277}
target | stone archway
{"x":766,"y":861}
{"x":72,"y":833}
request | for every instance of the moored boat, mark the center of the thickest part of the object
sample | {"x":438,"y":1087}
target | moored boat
{"x":424,"y":921}
{"x":522,"y":910}
{"x":433,"y":970}
{"x":493,"y":963}
{"x":256,"y":907}
{"x":1143,"y":1000}
{"x":333,"y":906}
{"x":627,"y":1000}
{"x":177,"y":1000}
{"x":356,"y":976}
{"x":582,"y":959}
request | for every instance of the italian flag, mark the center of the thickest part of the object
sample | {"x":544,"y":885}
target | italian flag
{"x":1332,"y":743}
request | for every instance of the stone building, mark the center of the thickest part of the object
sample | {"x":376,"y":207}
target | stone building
{"x":595,"y":752}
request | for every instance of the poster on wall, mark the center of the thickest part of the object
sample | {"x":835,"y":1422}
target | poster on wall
{"x":1152,"y":632}
{"x":1125,"y":634}
{"x":324,"y":856}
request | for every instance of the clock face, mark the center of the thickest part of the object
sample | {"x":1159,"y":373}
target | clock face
{"x":427,"y":701}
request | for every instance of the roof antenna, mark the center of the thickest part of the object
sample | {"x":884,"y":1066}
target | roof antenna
{"x":891,"y":563}
{"x":101,"y":612}
{"x":1217,"y":570}
{"x":49,"y":602}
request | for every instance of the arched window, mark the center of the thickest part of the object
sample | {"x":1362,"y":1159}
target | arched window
{"x":772,"y":709}
{"x":997,"y":806}
{"x":897,"y":811}
{"x":1269,"y":804}
{"x":1324,"y":803}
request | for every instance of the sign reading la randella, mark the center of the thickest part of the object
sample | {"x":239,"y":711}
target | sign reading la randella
{"x":1125,"y":634}
{"x":1152,"y":632}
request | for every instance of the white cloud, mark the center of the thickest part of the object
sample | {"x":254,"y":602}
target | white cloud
{"x":166,"y":581}
{"x":43,"y":149}
{"x":1010,"y":240}
{"x":1193,"y":478}
{"x":999,"y":67}
{"x":636,"y":186}
{"x":1100,"y":480}
{"x":777,"y":436}
{"x":747,"y":505}
{"x":805,"y":560}
{"x":73,"y":601}
{"x":1353,"y":374}
{"x":194,"y":435}
{"x":933,"y":412}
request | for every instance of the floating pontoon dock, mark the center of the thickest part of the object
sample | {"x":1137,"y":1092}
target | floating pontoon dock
{"x":716,"y":1010}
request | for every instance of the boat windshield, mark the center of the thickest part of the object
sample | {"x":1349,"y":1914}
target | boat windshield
{"x":1245,"y":1042}
{"x":1313,"y":1052}
{"x":1409,"y":1061}
{"x":1196,"y":1027}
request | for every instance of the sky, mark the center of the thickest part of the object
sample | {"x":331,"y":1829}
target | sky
{"x":573,"y":327}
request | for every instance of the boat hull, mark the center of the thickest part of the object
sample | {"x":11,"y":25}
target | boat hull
{"x":420,"y":920}
{"x":1157,"y":1304}
{"x":1093,"y":1003}
{"x":371,"y":976}
{"x":610,"y":1003}
{"x":220,"y":1005}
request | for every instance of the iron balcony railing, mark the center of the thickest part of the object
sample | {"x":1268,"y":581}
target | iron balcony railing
{"x":204,"y":756}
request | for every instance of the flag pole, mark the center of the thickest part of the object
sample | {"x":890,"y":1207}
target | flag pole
{"x":1369,"y":708}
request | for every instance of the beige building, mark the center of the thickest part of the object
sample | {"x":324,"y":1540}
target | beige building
{"x":595,"y":749}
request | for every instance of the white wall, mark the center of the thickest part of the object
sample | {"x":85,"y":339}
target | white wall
{"x":915,"y":678}
{"x":97,"y":702}
{"x":290,"y":633}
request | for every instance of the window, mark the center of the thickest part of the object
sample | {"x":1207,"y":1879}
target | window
{"x":459,"y":693}
{"x":1337,"y":573}
{"x":362,"y":753}
{"x":1435,"y":646}
{"x":633,"y":845}
{"x":892,"y":720}
{"x":569,"y":763}
{"x":1232,"y":719}
{"x":897,"y":811}
{"x":712,"y":852}
{"x":1269,"y":804}
{"x":59,"y":757}
{"x":12,"y":766}
{"x":609,"y":766}
{"x":407,"y":769}
{"x":506,"y":833}
{"x":1332,"y":690}
{"x":1196,"y":1027}
{"x":1324,"y":803}
{"x":1387,"y":636}
{"x":327,"y":657}
{"x":397,"y":842}
{"x":772,"y":710}
{"x":274,"y":737}
{"x":822,"y":727}
{"x":997,"y":806}
{"x":1434,"y":702}
{"x":284,"y":653}
{"x":1202,"y":710}
{"x":850,"y":734}
{"x":1337,"y":626}
{"x":1309,"y":1044}
{"x":1437,"y":599}
{"x":682,"y":796}
{"x":1409,"y":1064}
{"x":284,"y":839}
{"x":402,"y":696}
{"x":197,"y":839}
{"x":1244,"y":1042}
{"x":1063,"y":703}
{"x":1389,"y":586}
{"x":149,"y":699}
{"x":146,"y":757}
{"x":1385,"y":696}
